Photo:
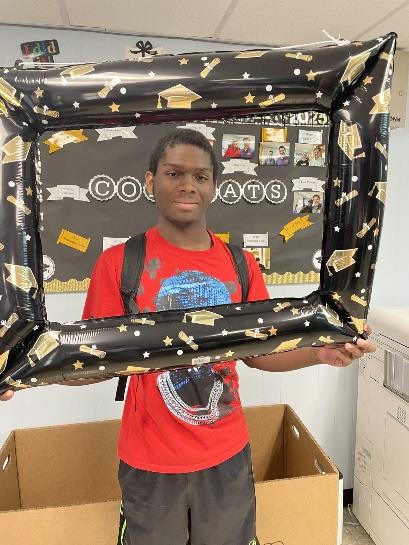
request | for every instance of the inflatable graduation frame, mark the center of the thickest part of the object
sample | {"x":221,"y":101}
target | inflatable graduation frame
{"x":349,"y":82}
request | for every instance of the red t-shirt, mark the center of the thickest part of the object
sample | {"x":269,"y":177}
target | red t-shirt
{"x":187,"y":419}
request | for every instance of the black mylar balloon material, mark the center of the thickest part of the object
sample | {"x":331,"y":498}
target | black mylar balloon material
{"x":349,"y":82}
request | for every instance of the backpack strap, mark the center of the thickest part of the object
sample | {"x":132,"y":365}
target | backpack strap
{"x":132,"y":268}
{"x":240,"y":264}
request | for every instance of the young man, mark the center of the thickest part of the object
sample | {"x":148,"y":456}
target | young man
{"x":185,"y":466}
{"x":282,"y":160}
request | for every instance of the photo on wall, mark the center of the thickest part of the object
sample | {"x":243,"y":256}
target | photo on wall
{"x":302,"y":154}
{"x":238,"y":146}
{"x":274,"y":154}
{"x":307,"y":202}
{"x":309,"y":155}
{"x":317,"y":156}
{"x":262,"y":256}
{"x":274,"y":134}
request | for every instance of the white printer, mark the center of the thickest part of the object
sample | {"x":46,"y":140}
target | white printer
{"x":381,"y":474}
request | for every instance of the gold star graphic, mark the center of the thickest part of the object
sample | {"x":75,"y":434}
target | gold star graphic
{"x":29,"y":191}
{"x":311,"y":75}
{"x":78,"y":365}
{"x":229,"y":354}
{"x":337,"y":182}
{"x":168,"y":341}
{"x":272,"y":331}
{"x":122,"y":328}
{"x":295,"y":311}
{"x":39,"y":92}
{"x":249,"y":98}
{"x":114,"y":107}
{"x":183,"y":61}
{"x":336,"y":296}
{"x":367,"y":80}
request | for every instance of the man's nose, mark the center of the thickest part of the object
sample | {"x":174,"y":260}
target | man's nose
{"x":187,"y":182}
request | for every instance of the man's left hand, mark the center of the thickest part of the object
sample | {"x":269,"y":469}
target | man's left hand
{"x":345,"y":355}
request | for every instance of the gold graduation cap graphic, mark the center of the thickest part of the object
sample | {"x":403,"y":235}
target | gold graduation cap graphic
{"x":45,"y":344}
{"x":287,"y":345}
{"x":355,"y":66}
{"x":349,"y":139}
{"x":381,"y":191}
{"x":250,"y":54}
{"x":359,"y":323}
{"x":8,"y":92}
{"x":8,"y":323}
{"x":15,"y":150}
{"x":326,"y":340}
{"x":341,"y":259}
{"x":177,"y":96}
{"x":330,"y":315}
{"x":203,"y":317}
{"x":21,"y":277}
{"x":3,"y":109}
{"x":3,"y":360}
{"x":382,"y":103}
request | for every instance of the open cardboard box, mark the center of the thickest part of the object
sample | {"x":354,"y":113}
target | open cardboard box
{"x":58,"y":485}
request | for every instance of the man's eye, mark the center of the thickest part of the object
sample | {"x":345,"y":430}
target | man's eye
{"x":201,"y":178}
{"x":171,"y":173}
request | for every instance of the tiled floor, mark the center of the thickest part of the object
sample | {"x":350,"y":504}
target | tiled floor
{"x":354,"y":534}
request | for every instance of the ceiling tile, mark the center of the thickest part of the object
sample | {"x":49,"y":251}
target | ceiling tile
{"x":278,"y":22}
{"x":398,"y":22}
{"x":29,"y":12}
{"x":178,"y":18}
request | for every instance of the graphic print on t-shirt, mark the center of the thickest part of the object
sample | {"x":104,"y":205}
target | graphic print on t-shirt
{"x":197,"y":395}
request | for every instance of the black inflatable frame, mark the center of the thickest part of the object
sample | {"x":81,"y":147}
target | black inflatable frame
{"x":349,"y":82}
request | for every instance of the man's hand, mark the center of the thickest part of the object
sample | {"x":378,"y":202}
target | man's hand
{"x":344,"y":356}
{"x":7,"y":395}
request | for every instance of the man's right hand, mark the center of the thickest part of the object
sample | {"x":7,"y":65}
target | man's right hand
{"x":7,"y":395}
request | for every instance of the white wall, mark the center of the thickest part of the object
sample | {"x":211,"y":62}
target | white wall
{"x":324,"y":397}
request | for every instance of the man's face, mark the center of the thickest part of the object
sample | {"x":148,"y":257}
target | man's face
{"x":316,"y":152}
{"x":235,"y":144}
{"x":281,"y":151}
{"x":316,"y":200}
{"x":246,"y":143}
{"x":183,"y":185}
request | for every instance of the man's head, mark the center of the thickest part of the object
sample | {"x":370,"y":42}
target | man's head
{"x":246,"y":142}
{"x":316,"y":152}
{"x":316,"y":199}
{"x":182,"y":177}
{"x":305,"y":156}
{"x":281,"y":150}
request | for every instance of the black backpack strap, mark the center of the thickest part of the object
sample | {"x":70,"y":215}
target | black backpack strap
{"x":240,"y":264}
{"x":132,"y":268}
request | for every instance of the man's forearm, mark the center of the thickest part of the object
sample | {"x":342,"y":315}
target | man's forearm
{"x":286,"y":361}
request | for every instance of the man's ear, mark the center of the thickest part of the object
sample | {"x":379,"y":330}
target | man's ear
{"x":149,"y":177}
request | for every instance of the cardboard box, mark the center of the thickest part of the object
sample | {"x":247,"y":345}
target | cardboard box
{"x":59,"y":484}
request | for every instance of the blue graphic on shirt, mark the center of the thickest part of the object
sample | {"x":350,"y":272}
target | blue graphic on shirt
{"x":196,"y":395}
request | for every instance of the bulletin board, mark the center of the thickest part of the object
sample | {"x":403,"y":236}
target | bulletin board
{"x":269,"y":200}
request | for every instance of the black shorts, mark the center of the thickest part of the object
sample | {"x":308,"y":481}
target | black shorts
{"x":214,"y":506}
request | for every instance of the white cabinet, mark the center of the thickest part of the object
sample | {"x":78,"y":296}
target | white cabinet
{"x":381,"y":473}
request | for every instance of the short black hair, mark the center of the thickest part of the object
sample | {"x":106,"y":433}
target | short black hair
{"x":186,"y":137}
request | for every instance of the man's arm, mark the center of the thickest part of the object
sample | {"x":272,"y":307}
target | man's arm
{"x":337,"y":356}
